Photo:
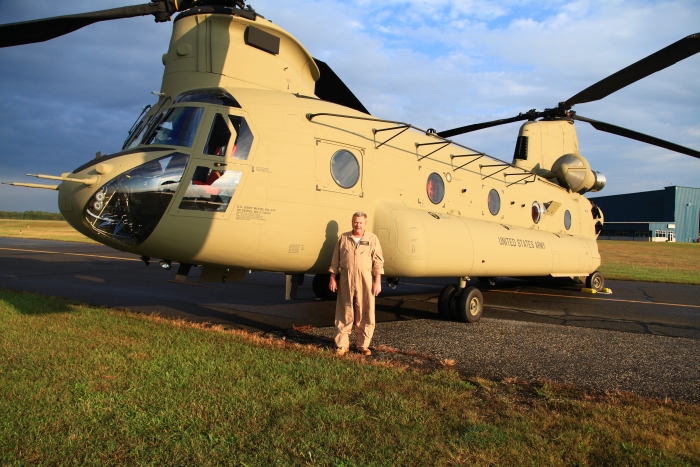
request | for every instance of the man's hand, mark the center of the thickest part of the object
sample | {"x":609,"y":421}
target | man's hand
{"x":377,"y":285}
{"x":332,"y":285}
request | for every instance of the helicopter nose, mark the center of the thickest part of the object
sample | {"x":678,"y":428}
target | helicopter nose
{"x":127,"y":209}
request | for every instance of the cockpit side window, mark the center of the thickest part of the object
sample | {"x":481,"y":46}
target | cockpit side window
{"x":177,"y":128}
{"x":219,"y":136}
{"x":210,"y":189}
{"x":244,"y":138}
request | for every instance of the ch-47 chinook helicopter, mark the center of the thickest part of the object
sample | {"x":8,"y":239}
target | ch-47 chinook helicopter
{"x":252,"y":136}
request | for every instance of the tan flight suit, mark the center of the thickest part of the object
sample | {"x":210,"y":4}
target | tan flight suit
{"x":357,"y":265}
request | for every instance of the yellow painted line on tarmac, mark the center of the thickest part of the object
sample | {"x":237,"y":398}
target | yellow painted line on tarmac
{"x":71,"y":254}
{"x":591,"y":298}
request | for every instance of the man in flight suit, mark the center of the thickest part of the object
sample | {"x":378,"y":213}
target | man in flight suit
{"x":359,"y":260}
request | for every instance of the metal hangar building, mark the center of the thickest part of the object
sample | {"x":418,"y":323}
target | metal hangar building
{"x":668,"y":215}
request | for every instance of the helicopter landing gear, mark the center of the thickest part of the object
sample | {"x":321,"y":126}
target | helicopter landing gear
{"x":293,"y":283}
{"x":446,"y":302}
{"x":469,"y":305}
{"x":595,"y":281}
{"x":320,"y":287}
{"x":463,"y":304}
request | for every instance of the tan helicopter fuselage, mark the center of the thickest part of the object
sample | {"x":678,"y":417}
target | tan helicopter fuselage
{"x":287,"y":208}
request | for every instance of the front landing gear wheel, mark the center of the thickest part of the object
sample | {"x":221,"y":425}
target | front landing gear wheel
{"x":469,"y":305}
{"x":320,"y":287}
{"x":595,"y":281}
{"x":447,"y":296}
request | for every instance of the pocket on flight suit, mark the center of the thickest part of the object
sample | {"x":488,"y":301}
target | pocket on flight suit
{"x":365,"y":257}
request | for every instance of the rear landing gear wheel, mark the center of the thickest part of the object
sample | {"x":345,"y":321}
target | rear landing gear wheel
{"x":320,"y":287}
{"x":445,"y":302}
{"x":469,"y":305}
{"x":595,"y":281}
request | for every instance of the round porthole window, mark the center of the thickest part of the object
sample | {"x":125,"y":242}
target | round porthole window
{"x":536,"y":212}
{"x":567,"y":220}
{"x":345,"y":169}
{"x":494,"y":202}
{"x":435,"y":188}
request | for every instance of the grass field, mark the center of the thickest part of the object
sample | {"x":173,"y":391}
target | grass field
{"x":43,"y":230}
{"x":678,"y":263}
{"x":92,"y":386}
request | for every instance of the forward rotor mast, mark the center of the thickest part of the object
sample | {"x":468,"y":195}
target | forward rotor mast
{"x":40,"y":30}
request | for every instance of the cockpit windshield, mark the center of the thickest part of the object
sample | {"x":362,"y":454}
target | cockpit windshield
{"x":137,"y":135}
{"x":177,"y":128}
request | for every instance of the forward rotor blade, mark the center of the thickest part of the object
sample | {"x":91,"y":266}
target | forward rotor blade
{"x":41,"y":30}
{"x":617,"y":130}
{"x":481,"y":126}
{"x":657,"y":61}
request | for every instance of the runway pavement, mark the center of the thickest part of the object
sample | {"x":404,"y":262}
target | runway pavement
{"x":643,"y":338}
{"x":99,"y":275}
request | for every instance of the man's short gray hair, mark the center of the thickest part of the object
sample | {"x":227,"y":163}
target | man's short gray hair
{"x":359,"y":214}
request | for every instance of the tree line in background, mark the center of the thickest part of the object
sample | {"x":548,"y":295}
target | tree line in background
{"x":32,"y":215}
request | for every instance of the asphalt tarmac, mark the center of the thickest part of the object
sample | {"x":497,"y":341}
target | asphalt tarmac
{"x":643,"y":338}
{"x":99,"y":275}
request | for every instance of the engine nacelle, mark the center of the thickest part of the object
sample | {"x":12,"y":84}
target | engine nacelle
{"x":600,"y":181}
{"x":574,"y":172}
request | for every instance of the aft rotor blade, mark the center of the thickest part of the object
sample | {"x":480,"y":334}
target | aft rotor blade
{"x":657,"y":61}
{"x":41,"y":30}
{"x":617,"y":130}
{"x":481,"y":126}
{"x":331,"y":88}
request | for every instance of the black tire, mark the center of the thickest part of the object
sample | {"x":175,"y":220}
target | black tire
{"x":595,"y":281}
{"x":469,"y":305}
{"x":445,"y":302}
{"x":320,"y":287}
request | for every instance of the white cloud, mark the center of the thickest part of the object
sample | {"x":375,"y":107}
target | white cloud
{"x":435,"y":63}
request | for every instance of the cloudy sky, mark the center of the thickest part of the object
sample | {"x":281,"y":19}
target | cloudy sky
{"x":434,"y":63}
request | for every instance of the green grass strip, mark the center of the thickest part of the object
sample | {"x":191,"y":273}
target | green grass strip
{"x":626,"y":272}
{"x":92,"y":386}
{"x":650,"y":262}
{"x":32,"y":215}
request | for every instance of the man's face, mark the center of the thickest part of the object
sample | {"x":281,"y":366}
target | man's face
{"x":358,"y":225}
